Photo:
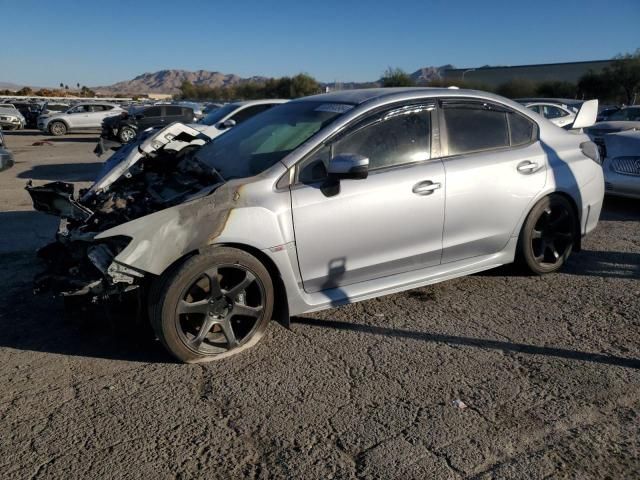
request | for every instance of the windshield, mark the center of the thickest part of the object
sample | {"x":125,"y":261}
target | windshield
{"x":260,"y":142}
{"x":217,"y":115}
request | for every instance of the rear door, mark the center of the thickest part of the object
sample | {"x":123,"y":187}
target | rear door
{"x":174,"y":113}
{"x":388,"y":223}
{"x":151,"y":117}
{"x":495,"y":166}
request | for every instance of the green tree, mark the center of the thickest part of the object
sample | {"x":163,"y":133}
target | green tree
{"x":303,"y":85}
{"x":596,"y":85}
{"x":625,"y":73}
{"x":396,"y":77}
{"x":517,"y":88}
{"x":557,"y":89}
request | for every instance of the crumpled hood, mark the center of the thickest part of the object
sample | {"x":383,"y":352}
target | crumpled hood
{"x":623,"y":144}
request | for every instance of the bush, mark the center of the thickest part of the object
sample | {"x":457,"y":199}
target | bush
{"x":396,"y":77}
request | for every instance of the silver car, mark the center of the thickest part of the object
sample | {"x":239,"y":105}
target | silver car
{"x":319,"y":202}
{"x":622,"y":164}
{"x":79,"y":117}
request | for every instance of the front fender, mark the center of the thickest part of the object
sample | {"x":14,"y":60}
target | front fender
{"x":161,"y":238}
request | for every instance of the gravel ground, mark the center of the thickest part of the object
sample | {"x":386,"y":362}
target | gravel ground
{"x":548,"y":368}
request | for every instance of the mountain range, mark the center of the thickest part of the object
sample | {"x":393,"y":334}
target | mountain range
{"x":169,"y":81}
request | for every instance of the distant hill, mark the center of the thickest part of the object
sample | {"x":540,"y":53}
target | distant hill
{"x":169,"y":81}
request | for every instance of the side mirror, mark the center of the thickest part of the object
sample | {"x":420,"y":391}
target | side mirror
{"x":226,"y":124}
{"x":348,"y":166}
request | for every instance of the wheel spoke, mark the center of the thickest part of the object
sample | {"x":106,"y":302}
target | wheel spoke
{"x":536,"y":234}
{"x":200,"y":307}
{"x":561,"y":217}
{"x":554,"y":251}
{"x":248,"y":280}
{"x":246,"y":311}
{"x":207,"y":323}
{"x":227,"y":330}
{"x":214,"y":284}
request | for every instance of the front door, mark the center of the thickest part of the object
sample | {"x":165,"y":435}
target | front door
{"x":388,"y":223}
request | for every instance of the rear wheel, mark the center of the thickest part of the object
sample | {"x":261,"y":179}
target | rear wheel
{"x":548,"y":235}
{"x":215,"y":305}
{"x":57,"y":128}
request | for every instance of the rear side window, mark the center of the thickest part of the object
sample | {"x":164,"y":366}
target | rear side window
{"x":153,"y":112}
{"x":173,"y":111}
{"x":473,"y":128}
{"x":549,"y":111}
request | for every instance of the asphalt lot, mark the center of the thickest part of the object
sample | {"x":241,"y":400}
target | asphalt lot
{"x":549,"y":369}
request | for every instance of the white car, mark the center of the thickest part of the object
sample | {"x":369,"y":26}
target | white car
{"x":79,"y":117}
{"x":10,"y":117}
{"x":220,"y":120}
{"x":621,"y":165}
{"x":559,"y":114}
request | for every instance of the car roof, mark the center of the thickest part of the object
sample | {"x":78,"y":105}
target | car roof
{"x":386,"y":95}
{"x":264,"y":101}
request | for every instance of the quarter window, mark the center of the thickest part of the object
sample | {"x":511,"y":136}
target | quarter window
{"x":522,"y":129}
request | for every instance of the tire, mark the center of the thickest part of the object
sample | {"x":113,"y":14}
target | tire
{"x":548,"y":235}
{"x":57,"y":129}
{"x":226,"y":291}
{"x":126,"y":134}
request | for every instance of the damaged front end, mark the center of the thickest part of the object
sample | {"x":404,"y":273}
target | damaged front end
{"x":154,"y":173}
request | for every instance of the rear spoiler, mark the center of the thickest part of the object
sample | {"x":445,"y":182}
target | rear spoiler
{"x":586,"y":116}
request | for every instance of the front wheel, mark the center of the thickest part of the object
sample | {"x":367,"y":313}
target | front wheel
{"x":126,"y":134}
{"x":214,"y":305}
{"x":548,"y":235}
{"x":57,"y":128}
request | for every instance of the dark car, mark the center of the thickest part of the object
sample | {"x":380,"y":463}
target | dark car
{"x":30,"y":112}
{"x":605,"y":112}
{"x":124,"y":128}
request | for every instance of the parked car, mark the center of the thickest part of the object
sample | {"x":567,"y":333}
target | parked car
{"x":318,"y":202}
{"x":124,"y":127}
{"x":6,"y":157}
{"x":10,"y":117}
{"x":605,"y":112}
{"x":30,"y":112}
{"x":624,"y":119}
{"x":559,"y":114}
{"x":83,"y":116}
{"x":622,"y":164}
{"x":232,"y":114}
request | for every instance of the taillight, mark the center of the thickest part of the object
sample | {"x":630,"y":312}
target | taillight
{"x":591,"y":150}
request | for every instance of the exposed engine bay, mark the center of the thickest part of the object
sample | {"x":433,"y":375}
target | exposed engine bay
{"x":153,"y":173}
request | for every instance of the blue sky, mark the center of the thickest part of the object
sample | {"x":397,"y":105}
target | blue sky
{"x":101,"y":42}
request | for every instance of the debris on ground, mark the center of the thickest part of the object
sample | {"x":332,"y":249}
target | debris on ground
{"x":459,"y":404}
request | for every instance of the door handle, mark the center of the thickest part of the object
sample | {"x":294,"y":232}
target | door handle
{"x":528,"y":167}
{"x":426,"y":187}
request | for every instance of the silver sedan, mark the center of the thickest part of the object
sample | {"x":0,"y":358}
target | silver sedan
{"x":319,"y":202}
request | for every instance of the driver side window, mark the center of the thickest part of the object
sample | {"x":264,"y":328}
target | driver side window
{"x":396,"y":137}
